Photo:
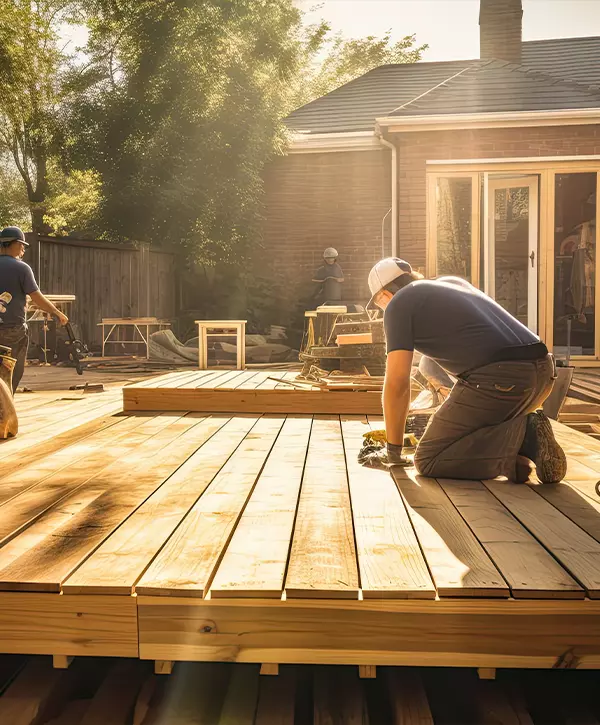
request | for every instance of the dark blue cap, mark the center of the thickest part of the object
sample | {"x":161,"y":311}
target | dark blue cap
{"x":12,"y":234}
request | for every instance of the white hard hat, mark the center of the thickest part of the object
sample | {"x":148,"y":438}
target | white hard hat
{"x":386,"y":271}
{"x":330,"y":253}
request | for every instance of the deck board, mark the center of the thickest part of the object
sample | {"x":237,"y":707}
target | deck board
{"x":188,"y":561}
{"x":323,"y":556}
{"x":458,"y":562}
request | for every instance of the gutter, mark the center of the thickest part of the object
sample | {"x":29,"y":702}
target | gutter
{"x":394,"y":150}
{"x":504,"y":119}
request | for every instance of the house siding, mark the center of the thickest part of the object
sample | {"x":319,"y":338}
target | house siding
{"x":415,"y":149}
{"x":320,"y":200}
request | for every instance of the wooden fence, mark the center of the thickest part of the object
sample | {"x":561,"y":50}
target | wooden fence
{"x":108,"y":280}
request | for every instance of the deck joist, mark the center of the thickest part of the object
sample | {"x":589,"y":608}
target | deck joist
{"x":258,"y":538}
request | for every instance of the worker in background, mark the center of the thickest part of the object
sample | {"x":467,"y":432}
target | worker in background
{"x":330,"y":278}
{"x":490,"y":425}
{"x":16,"y":282}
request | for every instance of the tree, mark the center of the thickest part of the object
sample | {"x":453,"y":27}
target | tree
{"x":333,"y":60}
{"x":30,"y":92}
{"x":188,"y":114}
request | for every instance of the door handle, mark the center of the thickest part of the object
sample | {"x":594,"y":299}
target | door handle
{"x":532,"y":257}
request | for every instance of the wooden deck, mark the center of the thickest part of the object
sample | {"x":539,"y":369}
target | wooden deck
{"x":244,"y":391}
{"x":258,"y":538}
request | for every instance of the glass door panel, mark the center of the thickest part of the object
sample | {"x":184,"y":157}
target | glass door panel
{"x":454,"y":229}
{"x":575,"y":264}
{"x":512,"y":247}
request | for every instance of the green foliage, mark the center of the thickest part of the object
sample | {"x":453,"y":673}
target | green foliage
{"x":332,"y":60}
{"x":73,"y":202}
{"x":14,"y":208}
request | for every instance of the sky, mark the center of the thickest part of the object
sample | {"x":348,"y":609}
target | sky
{"x":450,"y":27}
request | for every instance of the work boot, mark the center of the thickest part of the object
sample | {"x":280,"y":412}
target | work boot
{"x":541,"y":447}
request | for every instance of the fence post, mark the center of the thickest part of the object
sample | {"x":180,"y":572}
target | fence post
{"x":144,"y":286}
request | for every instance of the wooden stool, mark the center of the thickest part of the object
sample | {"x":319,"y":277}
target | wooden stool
{"x":204,"y":330}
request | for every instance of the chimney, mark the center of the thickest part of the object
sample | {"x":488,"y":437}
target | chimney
{"x":501,"y":30}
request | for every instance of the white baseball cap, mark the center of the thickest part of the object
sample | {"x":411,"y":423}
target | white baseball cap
{"x":386,"y":271}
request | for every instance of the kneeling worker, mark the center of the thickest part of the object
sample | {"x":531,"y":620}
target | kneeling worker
{"x":490,"y":425}
{"x":16,"y":282}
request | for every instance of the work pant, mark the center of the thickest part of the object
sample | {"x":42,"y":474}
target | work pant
{"x":17,"y":338}
{"x":478,"y":431}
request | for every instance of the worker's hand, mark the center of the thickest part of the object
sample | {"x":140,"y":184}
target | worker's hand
{"x":383,"y":458}
{"x":62,"y":319}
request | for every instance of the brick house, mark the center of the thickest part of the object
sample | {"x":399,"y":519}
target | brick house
{"x":487,"y":168}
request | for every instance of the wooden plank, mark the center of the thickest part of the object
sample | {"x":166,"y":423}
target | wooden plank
{"x":576,"y":550}
{"x":365,"y":338}
{"x":22,"y":448}
{"x":323,"y":555}
{"x":457,"y":561}
{"x":20,"y":477}
{"x":41,"y":557}
{"x":408,"y":697}
{"x":256,"y":558}
{"x":25,"y":507}
{"x":239,"y":706}
{"x":231,"y":380}
{"x":34,"y":623}
{"x":573,"y":503}
{"x":260,"y":400}
{"x":115,"y":698}
{"x":163,"y":667}
{"x":187,"y":563}
{"x":452,"y":632}
{"x":61,"y":662}
{"x":121,"y":560}
{"x":338,"y":697}
{"x":527,"y":567}
{"x":269,"y":669}
{"x":486,"y":673}
{"x":276,"y":701}
{"x":389,"y":557}
{"x":367,"y":672}
{"x":494,"y":707}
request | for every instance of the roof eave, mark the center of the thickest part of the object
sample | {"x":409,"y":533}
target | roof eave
{"x":306,"y":143}
{"x":504,"y":119}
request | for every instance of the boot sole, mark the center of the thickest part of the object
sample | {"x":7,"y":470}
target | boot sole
{"x":551,"y":462}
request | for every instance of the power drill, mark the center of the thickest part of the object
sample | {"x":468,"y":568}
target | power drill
{"x":76,"y":348}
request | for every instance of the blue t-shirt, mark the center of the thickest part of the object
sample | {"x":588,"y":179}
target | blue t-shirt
{"x":16,"y":281}
{"x":453,"y":323}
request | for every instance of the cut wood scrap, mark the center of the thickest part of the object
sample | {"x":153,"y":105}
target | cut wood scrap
{"x":188,"y":561}
{"x":338,"y":697}
{"x":357,"y":338}
{"x":116,"y":696}
{"x":457,"y":561}
{"x":239,"y":706}
{"x":61,"y":662}
{"x":256,"y":558}
{"x":390,"y":560}
{"x":576,"y":550}
{"x":323,"y":556}
{"x":43,"y":555}
{"x":122,"y":559}
{"x":276,"y":699}
{"x":525,"y":564}
{"x":407,"y":697}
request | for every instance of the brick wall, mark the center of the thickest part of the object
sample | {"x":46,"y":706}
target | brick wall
{"x":314,"y":201}
{"x":416,"y":148}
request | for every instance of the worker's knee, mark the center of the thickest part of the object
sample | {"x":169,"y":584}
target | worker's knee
{"x":424,"y":463}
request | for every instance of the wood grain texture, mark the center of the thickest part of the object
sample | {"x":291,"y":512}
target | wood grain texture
{"x":187,"y":562}
{"x":338,"y":697}
{"x":389,"y":557}
{"x":259,"y":400}
{"x":527,"y":567}
{"x":43,"y":555}
{"x":323,"y":555}
{"x":457,"y":561}
{"x":449,"y":632}
{"x":255,"y":561}
{"x":122,"y":559}
{"x":576,"y":550}
{"x":48,"y":624}
{"x":572,"y":501}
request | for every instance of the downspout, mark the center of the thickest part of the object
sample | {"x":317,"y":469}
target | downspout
{"x":394,"y":150}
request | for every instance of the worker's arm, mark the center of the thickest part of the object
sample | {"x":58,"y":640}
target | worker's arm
{"x":396,"y":394}
{"x":44,"y":304}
